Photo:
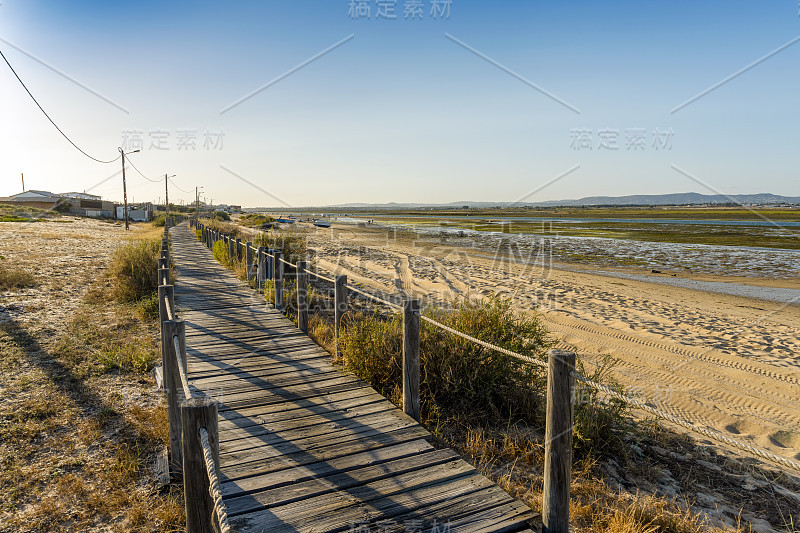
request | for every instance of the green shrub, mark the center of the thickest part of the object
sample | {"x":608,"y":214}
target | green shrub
{"x":292,"y":244}
{"x":160,"y":221}
{"x":457,"y":377}
{"x":15,"y":278}
{"x":134,"y":269}
{"x":221,"y":215}
{"x":222,"y":254}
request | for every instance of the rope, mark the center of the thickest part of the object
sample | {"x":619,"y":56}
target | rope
{"x":375,"y":298}
{"x":186,"y":390}
{"x":485,"y":344}
{"x":168,"y":307}
{"x":320,"y":276}
{"x":284,"y":261}
{"x":213,"y":483}
{"x":688,"y":425}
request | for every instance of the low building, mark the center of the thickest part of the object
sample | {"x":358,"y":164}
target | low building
{"x":83,"y":204}
{"x":32,"y":198}
{"x":140,"y":213}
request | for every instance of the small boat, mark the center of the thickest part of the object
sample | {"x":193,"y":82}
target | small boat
{"x":322,"y":223}
{"x":286,"y":220}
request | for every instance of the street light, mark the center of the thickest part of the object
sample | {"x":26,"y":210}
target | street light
{"x":124,"y":186}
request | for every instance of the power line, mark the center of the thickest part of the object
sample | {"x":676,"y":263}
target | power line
{"x":48,"y":116}
{"x":173,"y":183}
{"x":142,"y":175}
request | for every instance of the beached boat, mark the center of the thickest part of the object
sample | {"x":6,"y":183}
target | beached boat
{"x":322,"y":223}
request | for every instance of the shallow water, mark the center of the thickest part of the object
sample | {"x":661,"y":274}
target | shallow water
{"x":718,"y":260}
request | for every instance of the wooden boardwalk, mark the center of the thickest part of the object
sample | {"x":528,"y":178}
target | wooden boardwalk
{"x":305,"y":446}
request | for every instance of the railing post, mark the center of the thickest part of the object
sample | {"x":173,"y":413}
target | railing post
{"x":163,"y":262}
{"x":302,"y":297}
{"x":163,"y":276}
{"x":269,"y":262}
{"x":231,"y":249}
{"x":411,"y":358}
{"x":340,"y":306}
{"x":558,"y":441}
{"x":261,"y":268}
{"x":167,"y":291}
{"x":173,"y":386}
{"x":238,"y":249}
{"x":196,"y":413}
{"x":278,"y":270}
{"x":248,"y":260}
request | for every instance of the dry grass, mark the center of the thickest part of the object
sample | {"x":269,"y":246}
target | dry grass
{"x":15,"y":278}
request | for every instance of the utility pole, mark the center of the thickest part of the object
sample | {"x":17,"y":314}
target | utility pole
{"x":197,"y":204}
{"x":166,"y":192}
{"x":124,"y":187}
{"x":22,"y":174}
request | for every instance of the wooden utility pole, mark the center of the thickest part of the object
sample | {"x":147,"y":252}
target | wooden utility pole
{"x":124,"y":190}
{"x":22,"y":174}
{"x":166,"y":197}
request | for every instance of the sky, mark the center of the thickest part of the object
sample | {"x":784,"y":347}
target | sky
{"x":301,"y":103}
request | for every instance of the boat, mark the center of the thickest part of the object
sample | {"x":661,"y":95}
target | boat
{"x":322,"y":223}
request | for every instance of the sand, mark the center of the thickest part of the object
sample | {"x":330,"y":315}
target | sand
{"x":720,"y":361}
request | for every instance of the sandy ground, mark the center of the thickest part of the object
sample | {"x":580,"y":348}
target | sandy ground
{"x":724,"y":362}
{"x":59,"y":253}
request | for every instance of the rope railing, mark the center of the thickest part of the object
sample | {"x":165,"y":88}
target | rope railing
{"x":220,"y":510}
{"x":168,"y":307}
{"x":485,"y":344}
{"x":184,"y":381}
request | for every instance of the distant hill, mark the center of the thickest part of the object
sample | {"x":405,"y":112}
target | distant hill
{"x":687,"y":198}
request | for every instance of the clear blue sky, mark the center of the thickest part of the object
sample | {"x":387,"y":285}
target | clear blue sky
{"x":400,"y":112}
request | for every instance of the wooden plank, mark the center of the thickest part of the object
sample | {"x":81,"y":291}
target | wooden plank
{"x":317,"y":424}
{"x":260,"y":453}
{"x":287,"y":492}
{"x":294,"y":474}
{"x":323,"y":454}
{"x":385,"y":498}
{"x":312,"y":434}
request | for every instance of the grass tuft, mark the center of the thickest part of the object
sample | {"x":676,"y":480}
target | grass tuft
{"x":134,"y":269}
{"x":15,"y":278}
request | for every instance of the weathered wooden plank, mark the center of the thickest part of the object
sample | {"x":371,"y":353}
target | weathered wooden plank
{"x":287,"y":492}
{"x":371,"y":446}
{"x":385,"y":498}
{"x":323,"y":423}
{"x":256,"y":451}
{"x":260,"y":437}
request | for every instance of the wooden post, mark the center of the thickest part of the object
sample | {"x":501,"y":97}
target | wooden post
{"x":411,"y":358}
{"x":558,"y":441}
{"x":231,"y":250}
{"x":248,"y":260}
{"x":173,"y":386}
{"x":163,"y":262}
{"x":169,"y":292}
{"x":262,"y":268}
{"x":340,"y":303}
{"x":163,"y":276}
{"x":238,"y":249}
{"x":302,"y":297}
{"x":277,"y":265}
{"x":269,"y":262}
{"x":196,"y":413}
